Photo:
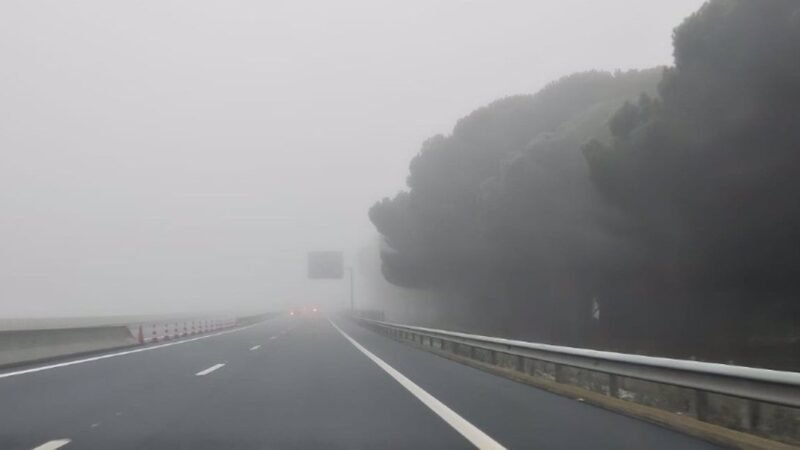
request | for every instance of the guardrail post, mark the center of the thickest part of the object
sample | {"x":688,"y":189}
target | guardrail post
{"x":559,"y":373}
{"x":751,"y":415}
{"x":520,"y":364}
{"x":613,"y":385}
{"x":698,"y":406}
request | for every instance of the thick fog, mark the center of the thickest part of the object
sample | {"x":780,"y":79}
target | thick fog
{"x":183,"y":156}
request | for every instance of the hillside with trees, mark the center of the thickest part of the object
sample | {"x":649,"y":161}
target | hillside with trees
{"x":667,"y":197}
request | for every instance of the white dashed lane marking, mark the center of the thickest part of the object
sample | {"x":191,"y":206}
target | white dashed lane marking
{"x":53,"y":445}
{"x":210,"y":369}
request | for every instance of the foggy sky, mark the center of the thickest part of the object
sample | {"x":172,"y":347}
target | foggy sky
{"x":165,"y":156}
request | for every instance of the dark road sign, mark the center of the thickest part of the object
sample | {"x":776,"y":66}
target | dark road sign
{"x":325,"y":265}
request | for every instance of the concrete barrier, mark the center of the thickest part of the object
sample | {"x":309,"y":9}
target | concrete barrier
{"x":21,"y":346}
{"x":25,"y":341}
{"x":164,"y":330}
{"x":255,"y":318}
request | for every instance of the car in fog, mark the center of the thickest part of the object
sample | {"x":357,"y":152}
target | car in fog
{"x":304,"y":310}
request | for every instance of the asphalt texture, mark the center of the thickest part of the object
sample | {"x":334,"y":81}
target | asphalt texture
{"x":305,"y":387}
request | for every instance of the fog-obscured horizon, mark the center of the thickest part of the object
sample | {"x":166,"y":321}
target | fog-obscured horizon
{"x":182,"y":156}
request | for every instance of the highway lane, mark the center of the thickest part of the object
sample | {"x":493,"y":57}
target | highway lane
{"x":297,"y":383}
{"x":138,"y":390}
{"x":305,"y":387}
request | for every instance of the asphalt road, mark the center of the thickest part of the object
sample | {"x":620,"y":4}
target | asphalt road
{"x":299,"y":383}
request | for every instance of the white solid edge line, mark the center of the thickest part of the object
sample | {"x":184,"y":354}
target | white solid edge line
{"x":466,"y":429}
{"x":112,"y":355}
{"x":209,"y":370}
{"x":54,"y":444}
{"x":255,"y":347}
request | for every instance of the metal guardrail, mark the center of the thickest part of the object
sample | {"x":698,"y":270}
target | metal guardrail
{"x":759,"y":385}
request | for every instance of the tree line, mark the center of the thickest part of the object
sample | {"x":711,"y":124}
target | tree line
{"x":668,"y":196}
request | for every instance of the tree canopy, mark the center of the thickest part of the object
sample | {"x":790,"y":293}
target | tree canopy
{"x":669,"y":191}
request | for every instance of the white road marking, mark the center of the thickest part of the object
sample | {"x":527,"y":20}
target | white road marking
{"x":209,"y":370}
{"x":54,"y":444}
{"x":273,"y":337}
{"x":112,"y":355}
{"x":255,"y":347}
{"x":466,"y":429}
